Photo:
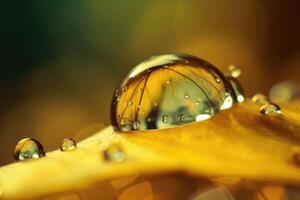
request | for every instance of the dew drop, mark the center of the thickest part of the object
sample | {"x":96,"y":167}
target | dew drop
{"x":165,"y":119}
{"x":68,"y":144}
{"x":234,"y":71}
{"x":270,"y":108}
{"x":114,"y":153}
{"x":192,"y":78}
{"x":217,"y":80}
{"x":28,"y":148}
{"x":260,"y":98}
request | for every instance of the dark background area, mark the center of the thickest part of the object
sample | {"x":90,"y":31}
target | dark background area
{"x":61,"y":60}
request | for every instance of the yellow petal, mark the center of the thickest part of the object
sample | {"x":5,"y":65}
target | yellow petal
{"x":239,"y":142}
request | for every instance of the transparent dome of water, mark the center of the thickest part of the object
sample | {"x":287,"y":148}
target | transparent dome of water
{"x":170,"y":90}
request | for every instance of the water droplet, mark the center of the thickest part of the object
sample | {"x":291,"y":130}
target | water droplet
{"x":234,"y":71}
{"x":270,"y":108}
{"x":186,"y":96}
{"x":260,"y":98}
{"x":136,"y":125}
{"x":217,"y":79}
{"x":114,"y":153}
{"x":192,"y":78}
{"x":68,"y":144}
{"x":165,"y":119}
{"x":28,"y":148}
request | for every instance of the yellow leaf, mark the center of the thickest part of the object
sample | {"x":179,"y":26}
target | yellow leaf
{"x":239,"y":142}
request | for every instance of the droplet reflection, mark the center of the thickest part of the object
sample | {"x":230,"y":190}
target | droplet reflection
{"x":183,"y":88}
{"x":28,"y":148}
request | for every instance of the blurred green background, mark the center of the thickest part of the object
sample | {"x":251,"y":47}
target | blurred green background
{"x":61,"y":60}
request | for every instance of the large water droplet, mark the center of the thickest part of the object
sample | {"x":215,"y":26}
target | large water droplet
{"x":28,"y":148}
{"x":172,"y":85}
{"x":68,"y":144}
{"x":270,"y":108}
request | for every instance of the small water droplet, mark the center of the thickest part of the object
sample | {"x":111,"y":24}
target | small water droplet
{"x":168,"y":82}
{"x":186,"y":96}
{"x":148,"y":119}
{"x":136,"y":125}
{"x":28,"y":148}
{"x":68,"y":144}
{"x":260,"y":98}
{"x":155,"y":104}
{"x":114,"y":153}
{"x":234,"y":71}
{"x":181,"y":118}
{"x":165,"y":119}
{"x":217,"y":80}
{"x":270,"y":108}
{"x":197,"y":103}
